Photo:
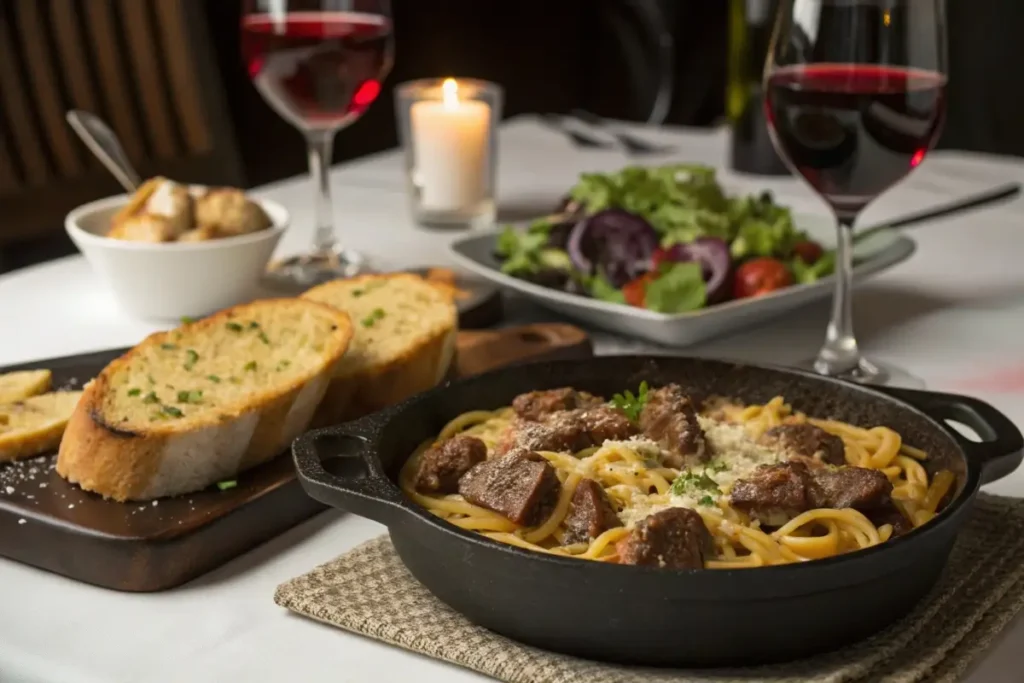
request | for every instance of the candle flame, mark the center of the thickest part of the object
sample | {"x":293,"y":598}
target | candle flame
{"x":450,"y":93}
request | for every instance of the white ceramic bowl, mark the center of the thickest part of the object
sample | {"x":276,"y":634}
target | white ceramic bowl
{"x":171,"y":280}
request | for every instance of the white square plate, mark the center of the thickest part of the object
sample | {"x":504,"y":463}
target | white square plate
{"x":877,"y":253}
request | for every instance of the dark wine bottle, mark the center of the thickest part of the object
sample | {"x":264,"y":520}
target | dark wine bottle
{"x":750,"y":31}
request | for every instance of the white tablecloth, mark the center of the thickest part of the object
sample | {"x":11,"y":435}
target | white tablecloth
{"x":953,"y":315}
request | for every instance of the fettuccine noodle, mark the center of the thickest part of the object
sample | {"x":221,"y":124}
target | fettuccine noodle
{"x":638,"y":486}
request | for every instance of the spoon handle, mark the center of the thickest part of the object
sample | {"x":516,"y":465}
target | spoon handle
{"x":103,"y":143}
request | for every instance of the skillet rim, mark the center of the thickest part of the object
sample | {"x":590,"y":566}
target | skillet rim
{"x":375,"y":424}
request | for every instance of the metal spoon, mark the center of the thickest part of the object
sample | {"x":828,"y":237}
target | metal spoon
{"x":103,"y":143}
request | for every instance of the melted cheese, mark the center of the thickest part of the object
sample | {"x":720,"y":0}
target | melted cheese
{"x":734,"y":456}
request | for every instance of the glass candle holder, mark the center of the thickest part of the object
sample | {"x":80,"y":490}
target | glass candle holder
{"x":449,"y":131}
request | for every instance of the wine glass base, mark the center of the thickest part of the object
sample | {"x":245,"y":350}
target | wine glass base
{"x":308,"y":270}
{"x":868,"y":372}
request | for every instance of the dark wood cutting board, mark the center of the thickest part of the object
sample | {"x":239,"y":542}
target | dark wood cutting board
{"x":51,"y":524}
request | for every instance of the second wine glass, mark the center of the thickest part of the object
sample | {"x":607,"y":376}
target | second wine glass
{"x":320,"y":65}
{"x":855,"y":98}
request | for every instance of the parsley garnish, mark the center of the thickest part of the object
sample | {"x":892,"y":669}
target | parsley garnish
{"x":168,"y":347}
{"x":706,"y":483}
{"x":707,"y":501}
{"x":719,"y":466}
{"x":151,"y":397}
{"x":283,"y":364}
{"x":253,"y":325}
{"x":213,"y":378}
{"x":250,"y":366}
{"x":631,"y":405}
{"x":678,"y":487}
{"x":134,"y":392}
{"x":371,"y":319}
{"x":225,"y":485}
{"x":234,"y":327}
{"x":195,"y":396}
{"x":263,"y":338}
{"x":190,"y":359}
{"x":186,"y":319}
{"x":356,"y":293}
{"x":172,"y":411}
{"x":688,"y":479}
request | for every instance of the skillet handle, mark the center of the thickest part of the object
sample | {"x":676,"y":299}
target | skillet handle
{"x":356,"y":481}
{"x":1001,"y":447}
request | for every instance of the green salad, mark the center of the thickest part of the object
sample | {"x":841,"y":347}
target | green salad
{"x":666,"y":238}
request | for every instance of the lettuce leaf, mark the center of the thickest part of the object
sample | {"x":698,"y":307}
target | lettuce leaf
{"x":685,"y":201}
{"x":603,"y":290}
{"x":677,"y":289}
{"x":805,"y":274}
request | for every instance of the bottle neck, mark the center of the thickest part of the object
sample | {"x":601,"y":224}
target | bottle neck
{"x":750,"y":29}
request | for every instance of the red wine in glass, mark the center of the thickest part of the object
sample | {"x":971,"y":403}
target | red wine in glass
{"x":318,"y":69}
{"x":854,"y":131}
{"x":855,"y":96}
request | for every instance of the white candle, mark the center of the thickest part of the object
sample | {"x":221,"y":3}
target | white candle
{"x":449,"y":140}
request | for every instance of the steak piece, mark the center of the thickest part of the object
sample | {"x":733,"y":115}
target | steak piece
{"x":538,"y":404}
{"x":521,"y":486}
{"x":591,"y":513}
{"x":774,"y":494}
{"x":890,"y":514}
{"x":808,"y":441}
{"x":670,"y":419}
{"x":558,"y":434}
{"x":675,"y":538}
{"x":859,"y":488}
{"x":605,"y":423}
{"x":569,"y":431}
{"x":443,"y":464}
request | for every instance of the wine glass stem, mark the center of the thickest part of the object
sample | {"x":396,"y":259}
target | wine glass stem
{"x":321,"y":146}
{"x":840,"y":354}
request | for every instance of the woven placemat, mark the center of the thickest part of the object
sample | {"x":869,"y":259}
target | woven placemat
{"x":368,"y":591}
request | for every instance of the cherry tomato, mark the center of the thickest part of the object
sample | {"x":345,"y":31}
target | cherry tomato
{"x":660,"y":255}
{"x":808,"y":251}
{"x":636,"y":290}
{"x":760,"y":276}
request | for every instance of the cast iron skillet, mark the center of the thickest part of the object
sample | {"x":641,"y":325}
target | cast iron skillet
{"x":653,"y":616}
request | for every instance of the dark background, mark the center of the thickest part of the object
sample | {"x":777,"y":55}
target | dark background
{"x":550,"y":55}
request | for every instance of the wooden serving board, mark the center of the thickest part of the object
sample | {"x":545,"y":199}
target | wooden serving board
{"x":51,"y":524}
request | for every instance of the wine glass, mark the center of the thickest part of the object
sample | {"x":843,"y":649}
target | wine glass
{"x":855,"y":95}
{"x":319,"y":64}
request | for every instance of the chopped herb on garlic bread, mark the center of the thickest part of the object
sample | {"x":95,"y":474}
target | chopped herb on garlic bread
{"x":197,"y":405}
{"x":403,"y":341}
{"x":34,"y":426}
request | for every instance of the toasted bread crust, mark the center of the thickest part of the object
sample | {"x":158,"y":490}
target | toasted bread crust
{"x":126,"y":464}
{"x":17,"y":386}
{"x":418,"y":368}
